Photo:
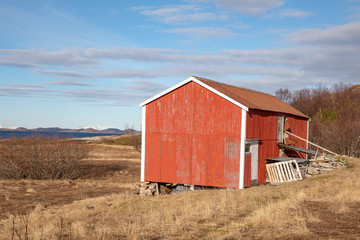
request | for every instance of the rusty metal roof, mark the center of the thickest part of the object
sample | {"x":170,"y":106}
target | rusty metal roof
{"x":242,"y":97}
{"x":252,"y":99}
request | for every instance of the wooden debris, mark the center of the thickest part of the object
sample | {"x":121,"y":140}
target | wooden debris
{"x":283,"y":172}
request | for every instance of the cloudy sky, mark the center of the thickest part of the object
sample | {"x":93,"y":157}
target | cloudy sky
{"x":90,"y":63}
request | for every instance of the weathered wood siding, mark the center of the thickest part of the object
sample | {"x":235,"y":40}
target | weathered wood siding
{"x":247,"y":173}
{"x":262,"y":125}
{"x":193,"y":137}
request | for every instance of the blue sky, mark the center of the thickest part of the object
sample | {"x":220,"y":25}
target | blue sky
{"x":90,"y":63}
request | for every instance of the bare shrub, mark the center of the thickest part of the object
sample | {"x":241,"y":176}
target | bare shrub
{"x":135,"y":141}
{"x":334,"y":114}
{"x":284,"y":95}
{"x":39,"y":158}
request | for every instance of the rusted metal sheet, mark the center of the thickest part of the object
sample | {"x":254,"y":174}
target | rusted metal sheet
{"x":253,"y":99}
{"x":193,"y":137}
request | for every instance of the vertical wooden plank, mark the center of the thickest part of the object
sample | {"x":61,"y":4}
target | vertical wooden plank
{"x":199,"y":159}
{"x":168,"y":158}
{"x":183,"y":155}
{"x":232,"y":155}
{"x":247,"y":174}
{"x":152,"y":154}
{"x":216,"y":161}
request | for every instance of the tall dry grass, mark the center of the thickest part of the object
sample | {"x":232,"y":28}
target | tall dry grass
{"x":271,"y":212}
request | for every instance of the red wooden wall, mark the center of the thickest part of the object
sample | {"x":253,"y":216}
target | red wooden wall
{"x":193,"y":137}
{"x":247,"y":172}
{"x":262,"y":125}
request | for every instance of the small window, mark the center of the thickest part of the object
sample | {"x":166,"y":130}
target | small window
{"x":247,"y":147}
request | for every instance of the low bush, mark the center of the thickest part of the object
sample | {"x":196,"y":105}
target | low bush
{"x":118,"y":141}
{"x":135,"y":141}
{"x":39,"y":158}
{"x":127,"y":140}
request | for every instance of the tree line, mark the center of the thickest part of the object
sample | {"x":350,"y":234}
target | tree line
{"x":334,"y":113}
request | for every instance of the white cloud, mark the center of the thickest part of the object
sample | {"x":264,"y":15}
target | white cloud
{"x":36,"y":57}
{"x":69,"y":82}
{"x":180,"y":14}
{"x":248,"y":7}
{"x":315,"y":55}
{"x":335,"y":35}
{"x":293,"y":13}
{"x":74,"y":74}
{"x":204,"y":32}
{"x":77,"y":58}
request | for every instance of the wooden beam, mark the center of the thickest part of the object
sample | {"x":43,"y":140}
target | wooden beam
{"x":324,"y":149}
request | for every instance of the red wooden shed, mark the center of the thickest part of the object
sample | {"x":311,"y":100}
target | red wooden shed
{"x":206,"y":133}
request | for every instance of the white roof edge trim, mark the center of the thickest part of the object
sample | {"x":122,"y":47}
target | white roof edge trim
{"x":201,"y":84}
{"x":166,"y":91}
{"x":221,"y":95}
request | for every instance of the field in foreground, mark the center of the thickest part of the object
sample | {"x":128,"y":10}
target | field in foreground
{"x":321,"y":207}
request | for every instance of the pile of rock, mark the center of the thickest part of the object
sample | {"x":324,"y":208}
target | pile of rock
{"x":322,"y":164}
{"x":147,"y":189}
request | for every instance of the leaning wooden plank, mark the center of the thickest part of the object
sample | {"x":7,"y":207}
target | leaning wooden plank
{"x":291,"y":175}
{"x":273,"y":168}
{"x":279,"y":172}
{"x":269,"y":174}
{"x":291,"y":168}
{"x":286,"y":177}
{"x":274,"y":173}
{"x":324,"y":149}
{"x":288,"y":173}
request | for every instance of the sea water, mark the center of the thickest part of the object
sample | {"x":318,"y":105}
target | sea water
{"x":49,"y":134}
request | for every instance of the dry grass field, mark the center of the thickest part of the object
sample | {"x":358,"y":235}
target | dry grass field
{"x":105,"y":206}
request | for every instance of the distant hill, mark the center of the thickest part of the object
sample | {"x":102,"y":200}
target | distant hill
{"x":82,"y":130}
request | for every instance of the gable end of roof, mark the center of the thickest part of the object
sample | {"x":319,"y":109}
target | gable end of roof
{"x":241,"y":97}
{"x":194,"y":79}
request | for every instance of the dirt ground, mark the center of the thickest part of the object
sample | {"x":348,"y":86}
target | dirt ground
{"x":116,"y":170}
{"x":336,"y":225}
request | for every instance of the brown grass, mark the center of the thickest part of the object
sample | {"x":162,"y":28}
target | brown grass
{"x":114,"y":170}
{"x":321,"y":207}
